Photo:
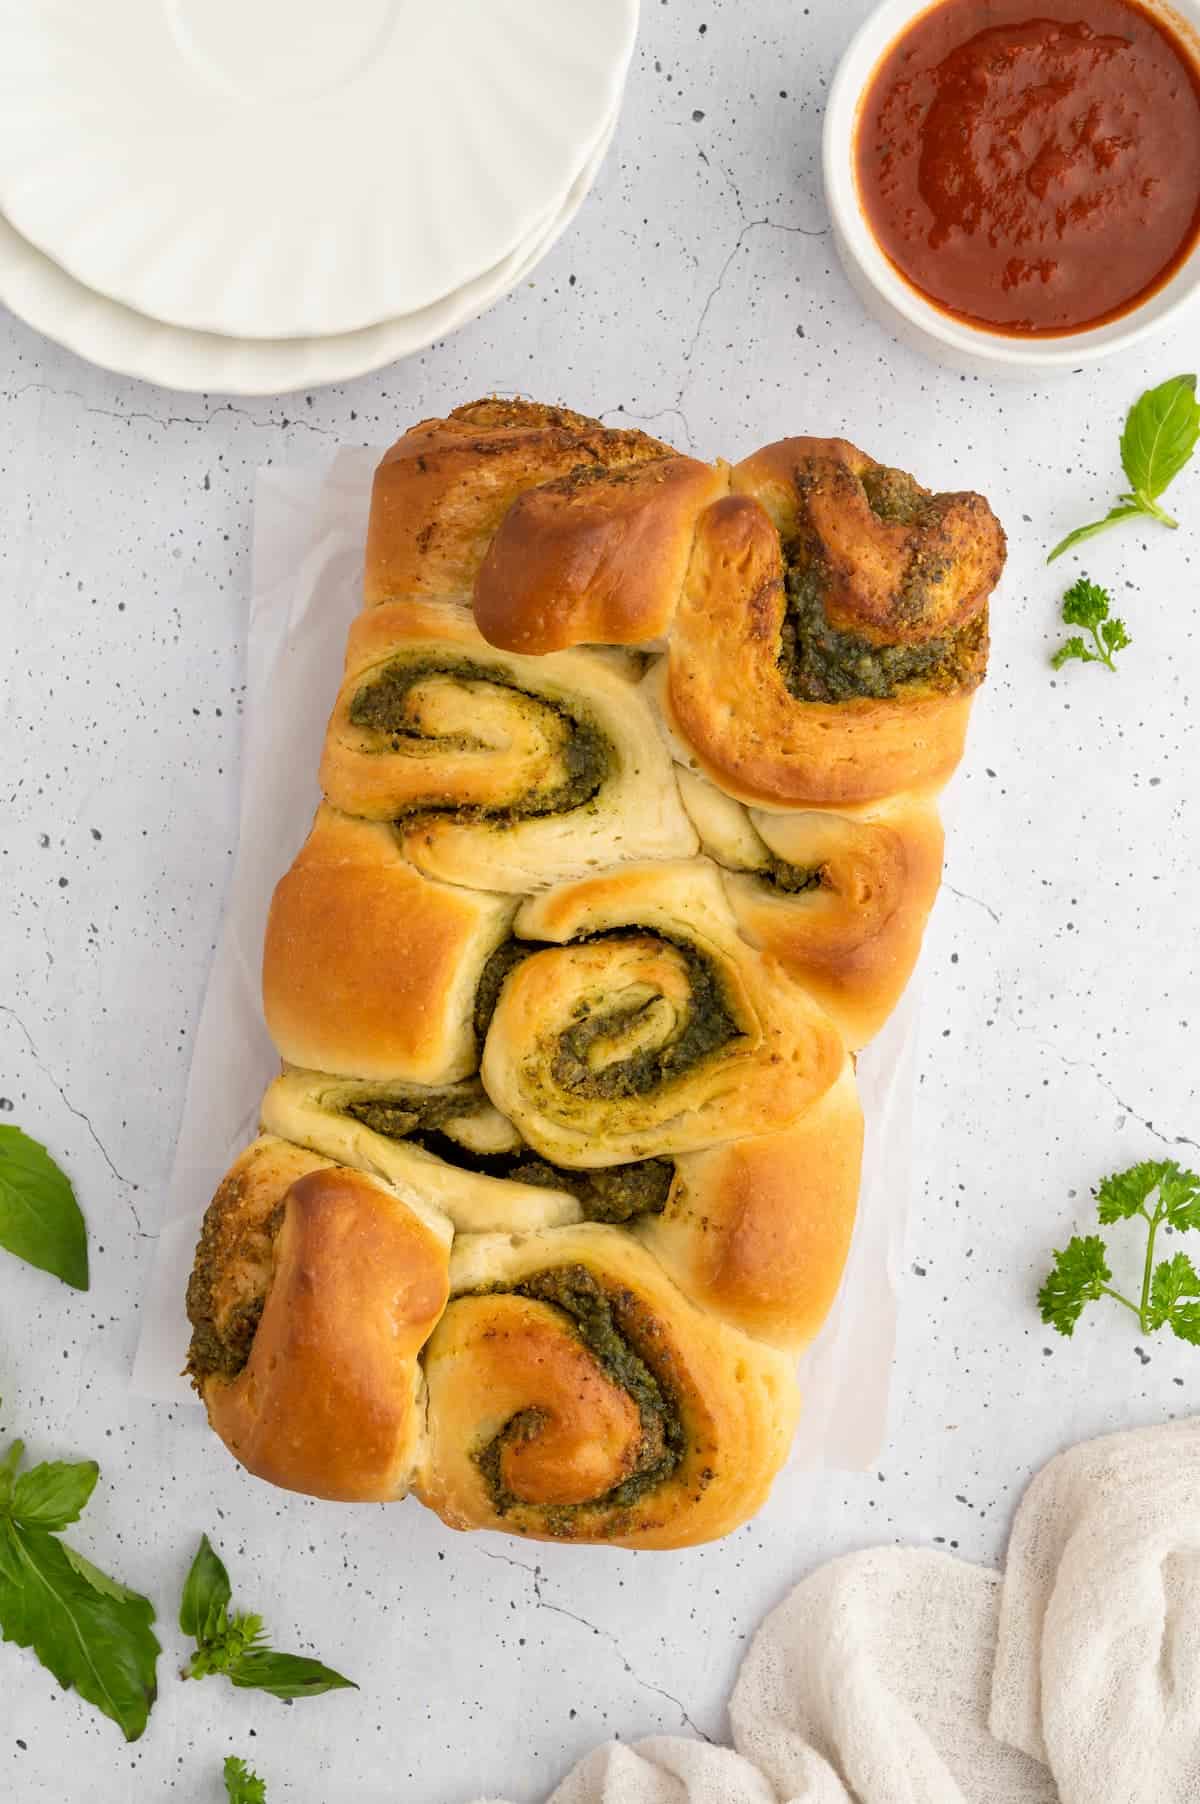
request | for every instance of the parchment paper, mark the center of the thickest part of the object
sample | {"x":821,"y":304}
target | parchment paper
{"x":309,"y":529}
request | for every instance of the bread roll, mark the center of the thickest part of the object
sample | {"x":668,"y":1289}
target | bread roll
{"x":568,"y":978}
{"x":648,"y":1026}
{"x":314,"y":1290}
{"x":501,"y":772}
{"x":576,"y":1394}
{"x":831,"y":631}
{"x":368,"y":967}
{"x":839,"y":898}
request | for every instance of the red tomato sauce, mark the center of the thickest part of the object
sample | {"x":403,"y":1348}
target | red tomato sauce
{"x":1036,"y":175}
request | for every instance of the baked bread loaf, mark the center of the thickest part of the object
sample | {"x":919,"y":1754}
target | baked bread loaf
{"x":629,"y":838}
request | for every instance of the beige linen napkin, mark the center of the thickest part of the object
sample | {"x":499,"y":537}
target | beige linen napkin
{"x":908,"y":1677}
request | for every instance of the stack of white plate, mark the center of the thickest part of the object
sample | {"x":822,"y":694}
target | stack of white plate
{"x":251,"y":196}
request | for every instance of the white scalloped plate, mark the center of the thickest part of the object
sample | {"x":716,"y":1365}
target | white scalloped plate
{"x":297,"y":168}
{"x":120,"y":339}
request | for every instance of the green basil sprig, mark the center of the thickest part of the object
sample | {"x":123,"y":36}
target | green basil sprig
{"x":92,"y":1633}
{"x":235,"y":1646}
{"x":1161,"y":430}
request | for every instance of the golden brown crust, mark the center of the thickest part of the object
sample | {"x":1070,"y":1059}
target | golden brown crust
{"x":839,"y":898}
{"x":370,"y":969}
{"x":893,"y":580}
{"x":595,"y":557}
{"x":853,"y":940}
{"x":443,"y":490}
{"x":758,"y":1230}
{"x":493,"y":1360}
{"x":723,"y":691}
{"x":329,"y":1400}
{"x":660,"y":1040}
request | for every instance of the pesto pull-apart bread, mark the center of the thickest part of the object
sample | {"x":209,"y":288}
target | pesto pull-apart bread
{"x":629,"y":838}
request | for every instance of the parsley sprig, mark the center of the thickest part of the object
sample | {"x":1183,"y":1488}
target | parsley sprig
{"x":236,"y":1645}
{"x":241,"y":1785}
{"x":1086,"y":604}
{"x":1161,"y":430}
{"x":92,"y":1633}
{"x":1170,"y":1294}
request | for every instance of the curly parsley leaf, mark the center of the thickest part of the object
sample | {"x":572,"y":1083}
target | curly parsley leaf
{"x":1160,"y":434}
{"x":235,"y":1646}
{"x":1179,"y":1193}
{"x":1079,"y":1275}
{"x":1162,"y":1194}
{"x":1086,"y":604}
{"x":1175,"y":1281}
{"x":1185,"y":1322}
{"x":40,"y":1220}
{"x":241,"y":1785}
{"x":1125,"y":1193}
{"x":92,"y":1634}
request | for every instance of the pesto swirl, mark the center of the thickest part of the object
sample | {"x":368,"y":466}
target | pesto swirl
{"x":708,"y":1025}
{"x":614,"y":1193}
{"x":607,"y":1322}
{"x":820,"y":663}
{"x":578,"y":753}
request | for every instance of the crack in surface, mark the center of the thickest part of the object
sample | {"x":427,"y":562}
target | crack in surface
{"x":646,"y":419}
{"x":977,"y":900}
{"x":1086,"y":1065}
{"x":535,"y":1573}
{"x":749,"y":225}
{"x":171,"y":419}
{"x":79,"y":1115}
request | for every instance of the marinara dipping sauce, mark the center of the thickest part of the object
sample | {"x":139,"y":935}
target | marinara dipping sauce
{"x":1033,"y":168}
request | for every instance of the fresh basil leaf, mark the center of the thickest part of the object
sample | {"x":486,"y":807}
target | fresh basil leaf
{"x":99,"y":1581}
{"x":1160,"y":435}
{"x":241,"y":1785}
{"x":286,"y":1675}
{"x":54,"y":1493}
{"x":101,"y":1646}
{"x":8,"y":1473}
{"x":1125,"y":511}
{"x":40,"y":1220}
{"x":206,"y":1595}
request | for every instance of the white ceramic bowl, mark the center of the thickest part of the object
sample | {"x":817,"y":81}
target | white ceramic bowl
{"x":900,"y":307}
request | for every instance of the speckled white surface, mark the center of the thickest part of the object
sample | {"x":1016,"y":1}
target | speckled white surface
{"x":697,"y":294}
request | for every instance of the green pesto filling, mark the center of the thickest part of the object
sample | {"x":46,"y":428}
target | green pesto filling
{"x":602,"y":1321}
{"x":223,"y":1351}
{"x":407,"y":1111}
{"x":793,"y":879}
{"x":709,"y":1026}
{"x":819,"y":663}
{"x":504,"y":959}
{"x":617,"y":1193}
{"x":895,"y":496}
{"x":384,"y":706}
